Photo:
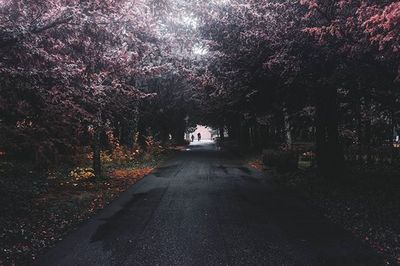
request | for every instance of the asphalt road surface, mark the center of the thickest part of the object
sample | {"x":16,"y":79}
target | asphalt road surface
{"x":204,"y":207}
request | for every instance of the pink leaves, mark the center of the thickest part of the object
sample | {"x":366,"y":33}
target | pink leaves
{"x":353,"y":25}
{"x":382,"y":25}
{"x":309,"y":3}
{"x":77,"y":55}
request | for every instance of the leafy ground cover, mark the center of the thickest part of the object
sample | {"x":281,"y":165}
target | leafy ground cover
{"x":365,"y":201}
{"x":36,"y":212}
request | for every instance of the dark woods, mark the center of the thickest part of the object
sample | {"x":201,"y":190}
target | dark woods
{"x":318,"y":78}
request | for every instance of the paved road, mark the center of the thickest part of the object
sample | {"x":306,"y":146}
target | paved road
{"x":204,"y":208}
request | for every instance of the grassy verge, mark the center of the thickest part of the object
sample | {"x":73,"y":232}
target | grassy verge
{"x":36,"y":212}
{"x":365,"y":201}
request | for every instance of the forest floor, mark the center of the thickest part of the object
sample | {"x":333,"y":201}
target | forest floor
{"x":37,"y":212}
{"x":366,"y":202}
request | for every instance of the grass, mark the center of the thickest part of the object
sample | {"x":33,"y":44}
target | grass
{"x":365,"y":201}
{"x":37,"y":211}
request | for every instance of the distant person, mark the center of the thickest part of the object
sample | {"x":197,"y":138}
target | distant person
{"x":192,"y":138}
{"x":198,"y":136}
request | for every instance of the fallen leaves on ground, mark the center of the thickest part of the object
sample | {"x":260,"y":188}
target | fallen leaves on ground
{"x":33,"y":221}
{"x":130,"y":173}
{"x":257,"y":164}
{"x":366,"y":203}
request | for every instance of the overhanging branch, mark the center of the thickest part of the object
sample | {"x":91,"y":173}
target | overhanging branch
{"x":9,"y":38}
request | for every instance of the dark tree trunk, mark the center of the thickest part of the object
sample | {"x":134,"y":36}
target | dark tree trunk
{"x":232,"y":132}
{"x":359,"y":131}
{"x":392,"y":129}
{"x":328,"y":147}
{"x":178,"y":133}
{"x":221,"y":133}
{"x":244,"y":136}
{"x":368,"y":130}
{"x":164,"y":135}
{"x":287,"y":128}
{"x":320,"y":137}
{"x":250,"y":136}
{"x":262,"y":136}
{"x":179,"y":136}
{"x":97,"y":152}
{"x":234,"y":129}
{"x":335,"y":149}
{"x":142,"y":135}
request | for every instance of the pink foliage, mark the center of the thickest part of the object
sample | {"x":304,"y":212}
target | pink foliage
{"x":382,"y":24}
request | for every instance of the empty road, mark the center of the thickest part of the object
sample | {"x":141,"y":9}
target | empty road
{"x":203,"y":207}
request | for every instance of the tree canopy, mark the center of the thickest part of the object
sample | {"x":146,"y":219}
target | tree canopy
{"x":267,"y":71}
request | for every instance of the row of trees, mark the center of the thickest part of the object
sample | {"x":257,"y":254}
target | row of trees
{"x":267,"y":71}
{"x":71,"y":70}
{"x":323,"y":71}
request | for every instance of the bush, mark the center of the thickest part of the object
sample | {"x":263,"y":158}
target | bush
{"x":79,"y":174}
{"x":283,"y":161}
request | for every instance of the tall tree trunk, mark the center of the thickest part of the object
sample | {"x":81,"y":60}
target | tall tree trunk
{"x":358,"y":102}
{"x":320,"y":136}
{"x":287,"y":127}
{"x":335,"y":149}
{"x":126,"y":134}
{"x":97,"y":151}
{"x":164,"y":135}
{"x":142,"y":135}
{"x":251,"y":137}
{"x":359,"y":131}
{"x":368,"y":129}
{"x":234,"y":129}
{"x":328,"y":147}
{"x":391,"y":135}
{"x":222,"y":132}
{"x":135,"y":123}
{"x":244,"y":135}
{"x":178,"y":134}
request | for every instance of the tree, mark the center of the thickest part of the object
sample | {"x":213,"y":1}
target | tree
{"x":77,"y":62}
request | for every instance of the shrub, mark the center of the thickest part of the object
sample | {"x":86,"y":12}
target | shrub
{"x":283,"y":161}
{"x":130,"y":173}
{"x":105,"y":157}
{"x":81,"y":173}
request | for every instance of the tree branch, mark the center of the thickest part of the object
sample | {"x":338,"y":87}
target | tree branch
{"x":38,"y":29}
{"x":9,"y":38}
